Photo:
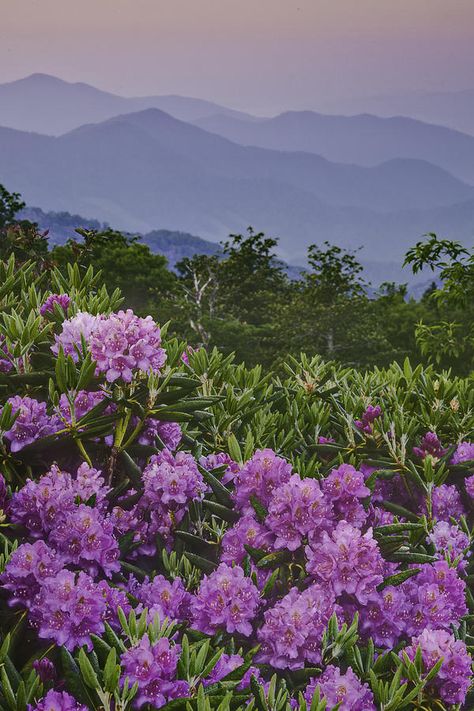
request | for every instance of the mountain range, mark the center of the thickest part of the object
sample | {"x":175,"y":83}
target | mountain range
{"x":46,"y":104}
{"x":207,"y":170}
{"x":448,"y":108}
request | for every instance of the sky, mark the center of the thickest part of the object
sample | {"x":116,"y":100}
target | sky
{"x":256,"y":55}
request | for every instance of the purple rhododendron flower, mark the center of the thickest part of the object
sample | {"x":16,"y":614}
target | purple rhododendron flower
{"x":83,"y":403}
{"x":226,"y":600}
{"x":247,"y":531}
{"x":220,"y":459}
{"x":226,"y":664}
{"x":68,"y":609}
{"x":62,"y":300}
{"x":430,"y":445}
{"x":57,"y":701}
{"x":170,"y":482}
{"x":368,"y":418}
{"x":463,"y":453}
{"x":344,"y":487}
{"x":32,"y":423}
{"x":347,"y":560}
{"x":153,"y":667}
{"x":41,"y":505}
{"x":450,"y":542}
{"x":296,"y":508}
{"x":123,"y":343}
{"x":263,"y":473}
{"x":169,"y":432}
{"x":26,"y":571}
{"x":381,"y":617}
{"x":434,"y":599}
{"x":73,"y":331}
{"x":292,"y":630}
{"x":345,"y":689}
{"x":163,"y":598}
{"x":446,"y":503}
{"x":469,"y":484}
{"x":84,"y":537}
{"x":454,"y":677}
{"x":114,"y":598}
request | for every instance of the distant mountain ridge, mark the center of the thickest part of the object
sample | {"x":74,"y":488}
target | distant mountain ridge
{"x":454,"y":109}
{"x":140,"y":170}
{"x":363,"y":139}
{"x":45,"y":104}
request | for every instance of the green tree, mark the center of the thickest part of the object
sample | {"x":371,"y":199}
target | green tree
{"x":125,"y":263}
{"x":10,"y":206}
{"x":448,"y":338}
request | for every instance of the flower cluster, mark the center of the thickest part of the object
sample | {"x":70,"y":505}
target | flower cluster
{"x":170,"y":482}
{"x":454,"y":678}
{"x":226,"y":600}
{"x":368,"y":418}
{"x":68,"y":609}
{"x":347,"y":560}
{"x":258,"y":478}
{"x":344,"y":690}
{"x":296,"y":509}
{"x":162,"y":597}
{"x":58,"y":701}
{"x":32,"y":422}
{"x":430,"y":445}
{"x":292,"y":630}
{"x":119,"y":344}
{"x":62,"y":300}
{"x":153,"y":667}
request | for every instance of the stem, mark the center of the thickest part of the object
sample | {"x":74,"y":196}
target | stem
{"x":82,"y":450}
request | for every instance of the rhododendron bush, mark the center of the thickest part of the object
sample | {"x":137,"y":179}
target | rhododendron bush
{"x":180,"y":532}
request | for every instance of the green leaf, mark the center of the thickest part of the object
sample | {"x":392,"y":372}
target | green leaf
{"x":87,"y":670}
{"x":398,"y":578}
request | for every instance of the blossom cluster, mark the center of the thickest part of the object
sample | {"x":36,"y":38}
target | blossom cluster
{"x":253,"y":565}
{"x":120,"y":344}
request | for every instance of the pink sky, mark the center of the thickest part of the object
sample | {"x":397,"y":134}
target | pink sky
{"x":260,"y":55}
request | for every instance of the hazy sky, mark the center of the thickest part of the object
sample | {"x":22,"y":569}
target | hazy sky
{"x":260,"y":55}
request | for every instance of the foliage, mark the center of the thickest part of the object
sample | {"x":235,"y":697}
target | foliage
{"x":213,"y":536}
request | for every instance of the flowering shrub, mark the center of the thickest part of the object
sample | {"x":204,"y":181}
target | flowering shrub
{"x":189,"y":534}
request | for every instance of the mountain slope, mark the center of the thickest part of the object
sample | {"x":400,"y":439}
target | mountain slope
{"x":449,"y":108}
{"x":362,"y":139}
{"x":146,"y":169}
{"x":49,"y":105}
{"x":398,"y":184}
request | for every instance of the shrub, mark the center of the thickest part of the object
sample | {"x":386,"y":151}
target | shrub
{"x":185,"y":533}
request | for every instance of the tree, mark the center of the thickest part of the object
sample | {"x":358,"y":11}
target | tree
{"x":125,"y":263}
{"x":447,"y":340}
{"x":10,"y":205}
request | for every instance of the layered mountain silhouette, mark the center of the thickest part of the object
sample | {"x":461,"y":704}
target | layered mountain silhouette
{"x":301,"y":176}
{"x":145,"y":169}
{"x":362,"y":139}
{"x":449,"y":108}
{"x":49,"y":105}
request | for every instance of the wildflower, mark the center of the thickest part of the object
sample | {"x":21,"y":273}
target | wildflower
{"x":263,"y":473}
{"x":296,"y":508}
{"x":62,"y":300}
{"x":454,"y":677}
{"x":32,"y":422}
{"x":292,"y":630}
{"x":345,"y":689}
{"x":226,"y":600}
{"x":153,"y":667}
